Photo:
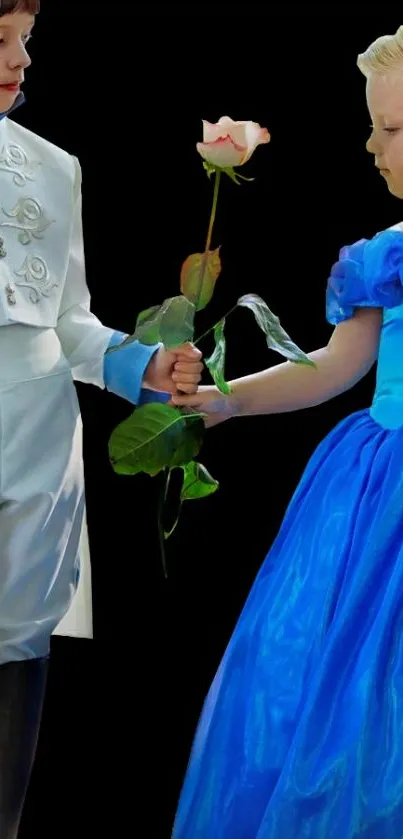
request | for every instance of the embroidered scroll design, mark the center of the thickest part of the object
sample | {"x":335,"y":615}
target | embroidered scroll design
{"x":14,"y":159}
{"x":36,"y":277}
{"x":30,"y":220}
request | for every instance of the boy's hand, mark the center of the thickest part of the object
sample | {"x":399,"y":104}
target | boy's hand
{"x":176,"y":370}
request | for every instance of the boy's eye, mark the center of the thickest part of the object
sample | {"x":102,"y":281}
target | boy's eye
{"x":24,"y":39}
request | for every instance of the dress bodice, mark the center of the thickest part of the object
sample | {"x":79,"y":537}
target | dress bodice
{"x":387,"y":404}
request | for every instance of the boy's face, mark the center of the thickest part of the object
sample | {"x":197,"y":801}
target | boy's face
{"x":15,"y":31}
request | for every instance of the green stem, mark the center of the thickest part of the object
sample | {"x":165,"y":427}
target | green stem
{"x":176,"y":522}
{"x":200,"y":338}
{"x":213,"y":210}
{"x":209,"y":236}
{"x":161,"y":505}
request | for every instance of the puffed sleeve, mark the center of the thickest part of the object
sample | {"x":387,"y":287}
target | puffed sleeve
{"x":368,"y":273}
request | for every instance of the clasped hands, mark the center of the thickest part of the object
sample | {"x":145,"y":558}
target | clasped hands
{"x":179,"y":372}
{"x":175,"y":370}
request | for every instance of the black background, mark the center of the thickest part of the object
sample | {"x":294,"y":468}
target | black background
{"x":124,"y":87}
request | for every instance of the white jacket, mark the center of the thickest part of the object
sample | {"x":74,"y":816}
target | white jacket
{"x":42,"y":264}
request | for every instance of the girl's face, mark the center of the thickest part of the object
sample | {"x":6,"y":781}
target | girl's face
{"x":15,"y":31}
{"x":385,"y":105}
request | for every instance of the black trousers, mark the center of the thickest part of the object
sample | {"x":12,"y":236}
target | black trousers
{"x":22,"y":690}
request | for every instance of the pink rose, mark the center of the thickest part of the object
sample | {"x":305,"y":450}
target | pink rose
{"x":227,"y":143}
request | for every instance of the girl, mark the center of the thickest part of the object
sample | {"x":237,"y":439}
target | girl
{"x":48,"y":337}
{"x":301,"y":735}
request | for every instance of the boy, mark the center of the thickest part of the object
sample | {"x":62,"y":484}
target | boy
{"x":48,"y":337}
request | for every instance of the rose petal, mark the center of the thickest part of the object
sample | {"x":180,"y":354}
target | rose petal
{"x":222,"y":153}
{"x":212,"y":131}
{"x":244,"y":135}
{"x":255,"y":135}
{"x":236,"y":130}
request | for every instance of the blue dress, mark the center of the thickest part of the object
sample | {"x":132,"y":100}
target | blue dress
{"x":301,"y":734}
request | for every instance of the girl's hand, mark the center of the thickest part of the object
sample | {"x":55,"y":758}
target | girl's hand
{"x":208,"y":400}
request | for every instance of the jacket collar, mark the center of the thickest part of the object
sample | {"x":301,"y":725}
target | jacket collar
{"x":19,"y":101}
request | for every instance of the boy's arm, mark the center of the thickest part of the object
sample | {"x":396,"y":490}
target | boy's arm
{"x":84,"y":339}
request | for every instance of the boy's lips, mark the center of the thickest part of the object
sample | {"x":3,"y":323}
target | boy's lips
{"x":11,"y":85}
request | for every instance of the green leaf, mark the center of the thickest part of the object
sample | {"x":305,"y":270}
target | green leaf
{"x":232,"y":174}
{"x":199,"y":275}
{"x":227,"y":170}
{"x":235,"y":176}
{"x":276,"y":337}
{"x":128,"y":340}
{"x":216,"y":362}
{"x":177,"y":323}
{"x":148,"y":326}
{"x":210,"y":169}
{"x":155,"y":437}
{"x":242,"y":177}
{"x":197,"y":482}
{"x":172,"y":323}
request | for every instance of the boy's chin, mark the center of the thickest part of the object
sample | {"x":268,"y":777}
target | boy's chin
{"x":7,"y":99}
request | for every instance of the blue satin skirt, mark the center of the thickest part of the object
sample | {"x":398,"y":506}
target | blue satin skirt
{"x":301,"y":734}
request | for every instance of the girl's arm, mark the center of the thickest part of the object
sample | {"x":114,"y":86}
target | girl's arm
{"x":349,"y":355}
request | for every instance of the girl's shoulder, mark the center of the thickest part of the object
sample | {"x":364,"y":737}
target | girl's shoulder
{"x":368,"y":273}
{"x":398,"y":226}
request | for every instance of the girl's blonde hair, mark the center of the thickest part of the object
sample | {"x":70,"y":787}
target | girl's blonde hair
{"x":384,"y":54}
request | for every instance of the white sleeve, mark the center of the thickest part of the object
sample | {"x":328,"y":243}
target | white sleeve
{"x":83,"y":337}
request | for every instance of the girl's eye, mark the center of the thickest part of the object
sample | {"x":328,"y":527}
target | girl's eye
{"x":386,"y":129}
